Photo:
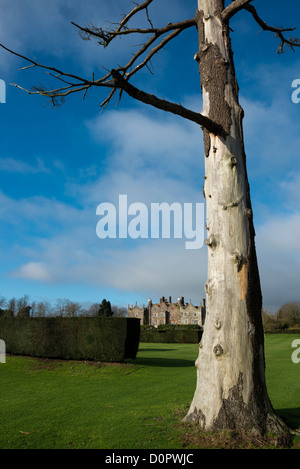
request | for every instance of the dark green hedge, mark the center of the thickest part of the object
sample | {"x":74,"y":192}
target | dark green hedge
{"x":82,"y":338}
{"x":283,"y":331}
{"x":171,"y":334}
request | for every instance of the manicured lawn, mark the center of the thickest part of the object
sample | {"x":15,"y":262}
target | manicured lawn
{"x":57,"y":404}
{"x":283,"y":376}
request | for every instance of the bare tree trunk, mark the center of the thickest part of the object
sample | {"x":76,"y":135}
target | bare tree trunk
{"x":231,"y":391}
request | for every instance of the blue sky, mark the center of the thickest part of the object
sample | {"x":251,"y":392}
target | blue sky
{"x":57,"y":165}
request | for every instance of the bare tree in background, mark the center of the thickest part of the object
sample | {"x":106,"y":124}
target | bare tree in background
{"x":119,"y":311}
{"x":289,"y":314}
{"x":43,"y":309}
{"x":2,"y":301}
{"x":231,"y":390}
{"x":93,"y":309}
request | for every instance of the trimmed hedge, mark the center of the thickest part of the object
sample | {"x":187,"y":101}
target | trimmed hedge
{"x":80,"y":338}
{"x":283,"y":331}
{"x":171,"y":334}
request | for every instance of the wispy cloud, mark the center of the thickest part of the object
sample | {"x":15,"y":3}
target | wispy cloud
{"x":12,"y":165}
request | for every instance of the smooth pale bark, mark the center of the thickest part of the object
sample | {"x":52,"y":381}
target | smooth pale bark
{"x":231,"y":391}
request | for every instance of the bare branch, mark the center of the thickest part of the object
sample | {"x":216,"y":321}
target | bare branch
{"x":144,"y":63}
{"x":176,"y":29}
{"x":107,"y":36}
{"x":53,"y":93}
{"x":291,"y":42}
{"x":233,"y":8}
{"x":57,"y":95}
{"x":152,"y":53}
{"x":133,"y":12}
{"x":106,"y":102}
{"x":164,"y":105}
{"x":145,"y":47}
{"x":148,"y":18}
{"x":106,"y":81}
{"x":36,"y":64}
{"x":118,"y":79}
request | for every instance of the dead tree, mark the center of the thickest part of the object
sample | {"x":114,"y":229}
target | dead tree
{"x":231,"y":390}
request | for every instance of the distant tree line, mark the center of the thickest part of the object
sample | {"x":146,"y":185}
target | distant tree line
{"x":287,"y":317}
{"x":22,"y":307}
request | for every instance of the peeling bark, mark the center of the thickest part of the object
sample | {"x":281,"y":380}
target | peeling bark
{"x":231,"y":390}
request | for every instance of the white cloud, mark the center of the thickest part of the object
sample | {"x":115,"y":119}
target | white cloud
{"x":147,"y":267}
{"x":279,"y":259}
{"x":154,"y":164}
{"x":44,"y":19}
{"x":153,"y":157}
{"x":39,"y":211}
{"x":152,"y":160}
{"x":146,"y":137}
{"x":291,"y":190}
{"x":271,"y":119}
{"x":272,"y":137}
{"x":33,"y":271}
{"x":159,"y":266}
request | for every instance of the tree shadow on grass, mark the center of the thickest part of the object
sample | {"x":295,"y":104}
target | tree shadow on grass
{"x":164,"y":362}
{"x":142,"y":349}
{"x":291,"y":417}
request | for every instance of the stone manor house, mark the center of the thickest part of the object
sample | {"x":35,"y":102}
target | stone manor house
{"x":166,"y":312}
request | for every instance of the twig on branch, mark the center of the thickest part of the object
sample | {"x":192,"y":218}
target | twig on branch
{"x":142,"y":6}
{"x":151,"y":53}
{"x":238,"y":5}
{"x":34,"y":63}
{"x":291,"y":42}
{"x":106,"y":36}
{"x":57,"y":95}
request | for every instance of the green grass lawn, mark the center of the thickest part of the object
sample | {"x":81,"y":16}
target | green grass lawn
{"x":47,"y":404}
